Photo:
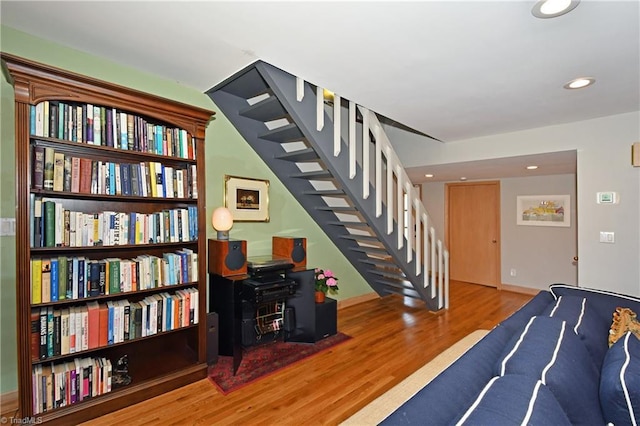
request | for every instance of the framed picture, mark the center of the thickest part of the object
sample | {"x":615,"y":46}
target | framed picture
{"x":247,"y":199}
{"x":544,"y":210}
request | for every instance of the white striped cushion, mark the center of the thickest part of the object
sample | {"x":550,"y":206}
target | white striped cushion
{"x":514,"y":399}
{"x":620,"y":382}
{"x":549,"y":351}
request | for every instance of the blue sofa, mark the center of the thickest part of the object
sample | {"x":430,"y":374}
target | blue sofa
{"x":547,"y":364}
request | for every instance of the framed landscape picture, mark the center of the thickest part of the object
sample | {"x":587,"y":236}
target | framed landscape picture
{"x":544,"y":210}
{"x":247,"y":199}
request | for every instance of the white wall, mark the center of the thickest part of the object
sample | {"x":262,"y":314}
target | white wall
{"x":525,"y":248}
{"x":604,"y":164}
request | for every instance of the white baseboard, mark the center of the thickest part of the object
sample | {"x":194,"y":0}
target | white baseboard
{"x":520,"y":289}
{"x":357,"y":299}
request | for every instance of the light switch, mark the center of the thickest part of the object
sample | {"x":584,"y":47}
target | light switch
{"x":607,"y":237}
{"x":608,"y":197}
{"x":7,"y":226}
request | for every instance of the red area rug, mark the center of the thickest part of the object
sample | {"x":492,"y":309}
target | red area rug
{"x":261,"y":361}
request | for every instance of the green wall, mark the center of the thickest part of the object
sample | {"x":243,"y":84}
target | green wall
{"x":226,"y":153}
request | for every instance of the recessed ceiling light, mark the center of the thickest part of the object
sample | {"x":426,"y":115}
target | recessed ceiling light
{"x":463,"y":178}
{"x":552,"y":8}
{"x":532,"y":167}
{"x":579,"y":83}
{"x":428,"y":175}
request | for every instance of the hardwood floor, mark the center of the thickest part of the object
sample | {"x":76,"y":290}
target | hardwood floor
{"x":391,"y":339}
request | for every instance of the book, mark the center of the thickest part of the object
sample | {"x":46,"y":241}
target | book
{"x":49,"y":219}
{"x":37,"y":222}
{"x":43,"y":333}
{"x":65,"y":327}
{"x":62,"y":277}
{"x":84,"y":185}
{"x":35,"y":334}
{"x":93,"y":312}
{"x":58,"y":171}
{"x":75,"y":174}
{"x":54,"y":279}
{"x":38,"y":167}
{"x":36,"y":281}
{"x":49,"y":158}
{"x":46,"y":281}
{"x":66,"y":181}
{"x":103,"y":314}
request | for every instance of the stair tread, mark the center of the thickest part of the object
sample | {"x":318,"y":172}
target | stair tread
{"x":266,"y":110}
{"x":287,"y":133}
{"x":372,"y":250}
{"x":324,"y":192}
{"x":360,"y":237}
{"x":318,"y":174}
{"x":337,"y":209}
{"x":307,"y":154}
{"x":349,"y":223}
{"x":381,"y":263}
{"x":390,"y":274}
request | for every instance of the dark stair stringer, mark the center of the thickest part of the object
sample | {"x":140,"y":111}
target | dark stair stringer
{"x":374,"y":255}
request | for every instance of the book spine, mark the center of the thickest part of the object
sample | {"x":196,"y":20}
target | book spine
{"x":38,"y":167}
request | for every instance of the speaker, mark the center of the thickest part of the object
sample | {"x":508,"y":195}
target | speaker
{"x":212,"y":338}
{"x":289,"y":320}
{"x":227,"y":257}
{"x":326,"y":318}
{"x":292,"y":248}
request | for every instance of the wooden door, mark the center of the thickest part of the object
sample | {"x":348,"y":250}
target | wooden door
{"x":473,"y":232}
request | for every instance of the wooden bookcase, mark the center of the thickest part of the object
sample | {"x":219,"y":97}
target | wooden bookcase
{"x":160,"y":361}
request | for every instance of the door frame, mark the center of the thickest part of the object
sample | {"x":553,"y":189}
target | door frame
{"x":496,"y":183}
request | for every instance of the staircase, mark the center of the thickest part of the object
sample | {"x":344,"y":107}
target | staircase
{"x":336,"y":160}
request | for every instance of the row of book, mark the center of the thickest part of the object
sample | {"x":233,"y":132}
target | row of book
{"x":54,"y":226}
{"x":71,"y":278}
{"x":69,"y":330}
{"x":57,"y":385}
{"x":56,"y":171}
{"x":104,"y":126}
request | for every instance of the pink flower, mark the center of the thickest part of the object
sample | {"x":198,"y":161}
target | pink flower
{"x":321,"y":277}
{"x":328,"y":273}
{"x":331,"y":282}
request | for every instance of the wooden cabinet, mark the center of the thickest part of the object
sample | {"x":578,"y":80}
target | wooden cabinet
{"x":130,"y":263}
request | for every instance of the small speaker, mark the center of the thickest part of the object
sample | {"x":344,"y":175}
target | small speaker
{"x":289,"y":320}
{"x":326,"y":318}
{"x":292,"y":248}
{"x":227,"y":257}
{"x":212,"y":338}
{"x":635,"y":154}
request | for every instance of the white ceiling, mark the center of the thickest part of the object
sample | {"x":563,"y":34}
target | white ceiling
{"x":451,"y":69}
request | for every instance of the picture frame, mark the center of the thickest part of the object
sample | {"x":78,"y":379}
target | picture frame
{"x":544,"y":210}
{"x":247,"y":199}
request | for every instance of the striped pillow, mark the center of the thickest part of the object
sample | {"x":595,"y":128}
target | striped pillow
{"x":516,"y":400}
{"x":549,"y":351}
{"x":620,"y":382}
{"x":585,"y":321}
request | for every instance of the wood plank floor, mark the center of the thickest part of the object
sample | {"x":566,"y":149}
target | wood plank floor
{"x":391,"y":339}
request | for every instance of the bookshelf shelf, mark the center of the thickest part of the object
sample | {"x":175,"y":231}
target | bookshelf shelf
{"x":109,"y":183}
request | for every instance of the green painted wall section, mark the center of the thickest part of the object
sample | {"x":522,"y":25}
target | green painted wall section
{"x":226,"y":153}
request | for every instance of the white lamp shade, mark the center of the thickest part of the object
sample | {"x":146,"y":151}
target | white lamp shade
{"x":222,"y":220}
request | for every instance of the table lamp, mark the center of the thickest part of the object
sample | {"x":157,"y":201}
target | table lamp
{"x":222,"y":221}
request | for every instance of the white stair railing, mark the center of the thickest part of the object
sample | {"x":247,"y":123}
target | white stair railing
{"x":393,"y":190}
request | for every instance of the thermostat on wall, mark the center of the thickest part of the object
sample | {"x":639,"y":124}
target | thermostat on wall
{"x":607,"y":198}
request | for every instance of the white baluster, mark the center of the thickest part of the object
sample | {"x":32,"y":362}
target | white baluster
{"x":400,"y":207}
{"x":378,"y":185}
{"x":432,"y":235}
{"x":336,"y":125}
{"x":299,"y":89}
{"x":446,"y":280}
{"x":440,"y":274}
{"x":390,"y":188}
{"x":319,"y":108}
{"x":352,"y":140}
{"x":366,"y":140}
